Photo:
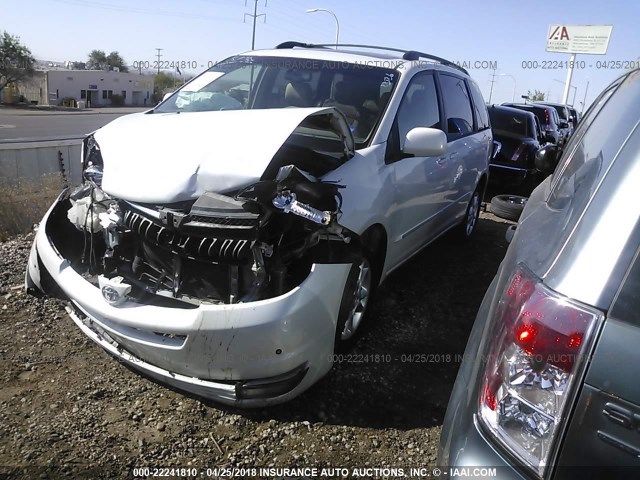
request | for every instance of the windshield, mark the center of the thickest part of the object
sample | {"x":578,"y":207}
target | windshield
{"x":361,"y":92}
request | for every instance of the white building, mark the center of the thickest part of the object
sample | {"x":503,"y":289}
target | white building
{"x":94,"y":87}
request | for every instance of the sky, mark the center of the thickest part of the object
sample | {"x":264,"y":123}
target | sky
{"x":508,"y":33}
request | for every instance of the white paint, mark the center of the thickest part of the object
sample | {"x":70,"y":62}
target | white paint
{"x":169,"y":157}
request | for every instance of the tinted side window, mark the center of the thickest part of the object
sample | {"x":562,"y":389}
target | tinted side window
{"x":479,"y":107}
{"x":419,"y":107}
{"x":627,"y":305}
{"x":457,"y":106}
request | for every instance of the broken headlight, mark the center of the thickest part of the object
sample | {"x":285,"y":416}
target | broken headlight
{"x":92,"y":163}
{"x":287,"y":201}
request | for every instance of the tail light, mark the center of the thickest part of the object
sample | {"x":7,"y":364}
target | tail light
{"x":518,"y":153}
{"x":535,"y":360}
{"x":546,"y":116}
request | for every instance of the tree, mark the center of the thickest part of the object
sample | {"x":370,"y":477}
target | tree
{"x":16,"y":61}
{"x":114,"y":60}
{"x":536,"y":96}
{"x":165,"y":82}
{"x":98,"y":60}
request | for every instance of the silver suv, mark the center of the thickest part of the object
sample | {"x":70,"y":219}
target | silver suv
{"x":548,"y":387}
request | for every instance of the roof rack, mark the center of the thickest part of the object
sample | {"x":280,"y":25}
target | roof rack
{"x":411,"y":55}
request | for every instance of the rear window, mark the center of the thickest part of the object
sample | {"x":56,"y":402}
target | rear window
{"x":539,"y":113}
{"x":510,"y":124}
{"x":562,"y":112}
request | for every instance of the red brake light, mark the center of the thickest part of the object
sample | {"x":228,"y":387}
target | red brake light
{"x":546,"y":116}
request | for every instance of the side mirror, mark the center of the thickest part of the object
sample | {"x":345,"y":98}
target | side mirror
{"x":425,"y":142}
{"x":546,"y":159}
{"x":166,"y":95}
{"x":563,"y":124}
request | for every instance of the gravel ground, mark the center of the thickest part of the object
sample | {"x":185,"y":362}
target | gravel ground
{"x":67,"y":409}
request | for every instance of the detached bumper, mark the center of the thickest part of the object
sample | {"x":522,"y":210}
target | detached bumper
{"x":251,"y":354}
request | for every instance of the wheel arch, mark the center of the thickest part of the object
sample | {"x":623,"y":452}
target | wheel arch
{"x":375,"y":241}
{"x":483,"y":181}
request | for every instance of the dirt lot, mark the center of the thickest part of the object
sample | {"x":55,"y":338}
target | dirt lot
{"x":67,"y":409}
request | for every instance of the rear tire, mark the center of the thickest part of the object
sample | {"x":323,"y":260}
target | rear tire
{"x":508,"y":206}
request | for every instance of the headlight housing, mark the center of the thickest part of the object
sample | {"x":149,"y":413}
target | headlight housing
{"x":535,"y":362}
{"x":92,"y":163}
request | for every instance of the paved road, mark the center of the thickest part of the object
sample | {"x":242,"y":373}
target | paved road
{"x":31,"y":124}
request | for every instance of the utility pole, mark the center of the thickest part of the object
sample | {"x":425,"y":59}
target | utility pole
{"x":493,"y":80}
{"x":585,"y":97}
{"x":159,"y":55}
{"x":255,"y":18}
{"x":567,"y":83}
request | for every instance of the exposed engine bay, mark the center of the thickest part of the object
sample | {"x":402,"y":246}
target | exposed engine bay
{"x":255,"y":244}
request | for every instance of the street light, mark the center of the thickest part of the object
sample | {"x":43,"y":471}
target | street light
{"x":513,"y":97}
{"x":314,"y":10}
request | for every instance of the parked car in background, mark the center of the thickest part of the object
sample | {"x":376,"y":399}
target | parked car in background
{"x":229,"y":240}
{"x":517,"y":136}
{"x":548,"y":118}
{"x":548,"y":387}
{"x":564,"y":118}
{"x":575,"y":117}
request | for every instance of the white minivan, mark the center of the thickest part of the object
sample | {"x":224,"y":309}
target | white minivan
{"x":228,"y":241}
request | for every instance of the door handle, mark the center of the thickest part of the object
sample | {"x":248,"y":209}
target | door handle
{"x":441,"y":161}
{"x":453,"y":156}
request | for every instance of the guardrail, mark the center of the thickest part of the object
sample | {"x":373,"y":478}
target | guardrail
{"x":32,"y":173}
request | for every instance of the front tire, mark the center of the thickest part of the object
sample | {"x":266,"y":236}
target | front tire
{"x":354,"y":308}
{"x":468,"y":226}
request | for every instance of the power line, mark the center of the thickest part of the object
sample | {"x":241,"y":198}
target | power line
{"x":255,"y":18}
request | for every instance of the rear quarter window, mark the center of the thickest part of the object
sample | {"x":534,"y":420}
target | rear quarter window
{"x":479,"y":107}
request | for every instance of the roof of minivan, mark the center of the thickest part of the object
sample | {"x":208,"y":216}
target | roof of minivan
{"x":380,"y":58}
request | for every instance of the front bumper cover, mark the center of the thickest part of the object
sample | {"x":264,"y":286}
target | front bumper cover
{"x":250,"y":354}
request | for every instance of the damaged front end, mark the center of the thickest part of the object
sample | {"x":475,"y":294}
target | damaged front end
{"x":257,"y":244}
{"x":254,"y":243}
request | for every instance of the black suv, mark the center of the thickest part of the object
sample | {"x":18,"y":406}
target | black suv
{"x":548,"y":118}
{"x":565,"y":117}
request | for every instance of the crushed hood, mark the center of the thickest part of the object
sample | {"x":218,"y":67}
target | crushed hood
{"x":171,"y":157}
